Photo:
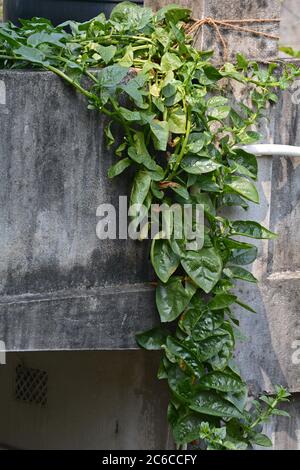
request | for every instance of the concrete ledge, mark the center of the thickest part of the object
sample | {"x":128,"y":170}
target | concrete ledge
{"x":106,"y":318}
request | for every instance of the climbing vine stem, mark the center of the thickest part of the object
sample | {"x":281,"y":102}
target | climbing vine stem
{"x":183,"y":132}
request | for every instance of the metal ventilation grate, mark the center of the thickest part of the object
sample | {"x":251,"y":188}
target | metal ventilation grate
{"x":31,"y":385}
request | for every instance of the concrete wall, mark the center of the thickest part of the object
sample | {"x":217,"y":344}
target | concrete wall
{"x":95,"y":400}
{"x":290,"y":24}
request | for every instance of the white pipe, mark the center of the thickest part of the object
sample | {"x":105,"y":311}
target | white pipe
{"x":272,"y":149}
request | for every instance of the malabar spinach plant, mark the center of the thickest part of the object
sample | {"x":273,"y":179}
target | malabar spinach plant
{"x":181,"y":135}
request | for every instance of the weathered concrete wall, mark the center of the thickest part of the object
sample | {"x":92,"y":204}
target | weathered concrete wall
{"x":253,"y":46}
{"x":61,"y":287}
{"x":290,"y":24}
{"x":95,"y":400}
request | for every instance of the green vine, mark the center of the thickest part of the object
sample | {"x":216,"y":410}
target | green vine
{"x":182,"y":131}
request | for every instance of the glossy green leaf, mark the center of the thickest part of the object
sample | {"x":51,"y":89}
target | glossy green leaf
{"x":172,"y":298}
{"x":236,"y":272}
{"x":251,"y":229}
{"x":222,"y":382}
{"x":261,"y":440}
{"x":152,"y":339}
{"x":212,"y":404}
{"x":164,"y":260}
{"x":245,"y":160}
{"x":183,"y":353}
{"x":204,"y":267}
{"x":195,"y":165}
{"x":209,"y":347}
{"x":243,"y":256}
{"x":244,"y":187}
{"x":221,"y":301}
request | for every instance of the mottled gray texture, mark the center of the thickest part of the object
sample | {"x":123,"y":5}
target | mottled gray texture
{"x":290,"y":23}
{"x":53,"y":176}
{"x":95,"y":400}
{"x":253,"y":46}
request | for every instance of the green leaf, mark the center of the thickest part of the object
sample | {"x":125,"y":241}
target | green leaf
{"x":135,"y":88}
{"x":129,"y":115}
{"x":152,"y":339}
{"x":173,"y":13}
{"x":139,"y":153}
{"x":245,"y":306}
{"x":244,"y":187}
{"x":289,"y":51}
{"x":212,"y":404}
{"x":140,"y":188}
{"x":219,"y":113}
{"x":242,"y":61}
{"x":261,"y":440}
{"x":32,"y":55}
{"x":243,"y":256}
{"x":181,"y":191}
{"x":217,"y":101}
{"x":170,"y":61}
{"x":128,"y":57}
{"x":110,"y":140}
{"x":222,"y":382}
{"x":221,"y":301}
{"x":250,"y":137}
{"x":244,"y":160}
{"x":160,"y":132}
{"x":43,"y":37}
{"x":211,"y":73}
{"x":193,"y":313}
{"x":119,"y":167}
{"x":181,"y":352}
{"x":108,"y":80}
{"x":163,"y":259}
{"x":188,"y":428}
{"x":177,"y":123}
{"x":179,"y":382}
{"x":127,"y":16}
{"x":236,"y":272}
{"x":212,"y":345}
{"x":251,"y":229}
{"x":196,"y":166}
{"x":232,"y":199}
{"x":204,"y":267}
{"x":107,"y":52}
{"x":196,"y":142}
{"x":172,"y":298}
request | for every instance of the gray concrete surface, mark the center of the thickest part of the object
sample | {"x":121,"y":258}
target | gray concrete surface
{"x":95,"y":400}
{"x":290,"y":23}
{"x":60,"y":285}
